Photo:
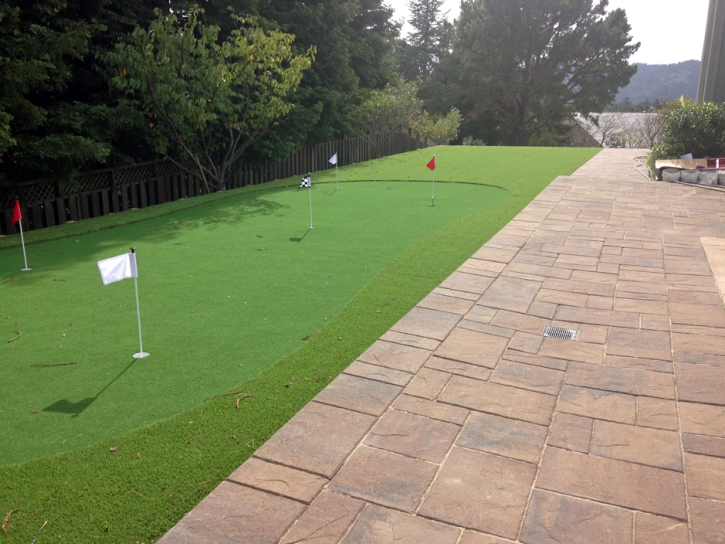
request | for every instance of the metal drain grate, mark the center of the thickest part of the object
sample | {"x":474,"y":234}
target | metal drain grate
{"x":560,"y":332}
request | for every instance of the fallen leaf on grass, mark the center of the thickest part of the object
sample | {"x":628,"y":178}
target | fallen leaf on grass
{"x":7,"y":519}
{"x":11,"y":278}
{"x":114,"y":448}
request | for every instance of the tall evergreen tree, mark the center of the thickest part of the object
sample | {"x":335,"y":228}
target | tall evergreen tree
{"x":522,"y":65}
{"x":428,"y":43}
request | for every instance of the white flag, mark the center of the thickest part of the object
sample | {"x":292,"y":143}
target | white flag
{"x":333,"y":159}
{"x":118,"y":268}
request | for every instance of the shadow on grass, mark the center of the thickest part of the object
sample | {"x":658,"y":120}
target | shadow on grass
{"x":64,"y":406}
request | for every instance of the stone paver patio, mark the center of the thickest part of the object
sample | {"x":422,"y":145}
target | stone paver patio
{"x":463,"y":425}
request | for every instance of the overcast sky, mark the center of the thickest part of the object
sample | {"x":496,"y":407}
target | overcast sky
{"x":669,"y":30}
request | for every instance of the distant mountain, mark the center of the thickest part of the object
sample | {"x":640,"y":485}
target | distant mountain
{"x":662,"y":82}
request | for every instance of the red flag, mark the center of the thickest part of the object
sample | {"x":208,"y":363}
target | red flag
{"x":432,"y":163}
{"x":17,"y":215}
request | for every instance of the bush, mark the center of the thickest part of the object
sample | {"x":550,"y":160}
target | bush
{"x":688,"y":127}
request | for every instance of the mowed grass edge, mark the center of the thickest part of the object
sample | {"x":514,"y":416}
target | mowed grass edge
{"x":158,"y":473}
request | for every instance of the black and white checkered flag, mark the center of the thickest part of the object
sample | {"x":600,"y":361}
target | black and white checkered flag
{"x":306,"y":182}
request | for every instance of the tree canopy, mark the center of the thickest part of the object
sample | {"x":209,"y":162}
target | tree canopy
{"x":519,"y":67}
{"x":208,"y":99}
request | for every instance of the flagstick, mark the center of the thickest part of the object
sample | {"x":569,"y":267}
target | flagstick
{"x":141,"y":353}
{"x":22,"y":241}
{"x":310,"y":190}
{"x":337,"y":178}
{"x":433,"y":195}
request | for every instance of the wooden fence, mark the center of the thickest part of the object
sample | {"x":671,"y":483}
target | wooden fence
{"x":112,"y":190}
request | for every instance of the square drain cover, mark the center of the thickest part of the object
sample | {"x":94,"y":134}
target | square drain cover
{"x":560,"y":332}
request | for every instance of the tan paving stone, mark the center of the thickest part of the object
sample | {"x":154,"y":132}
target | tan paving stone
{"x":384,"y":478}
{"x":379,"y":373}
{"x":427,"y":323}
{"x":428,"y":383}
{"x":410,"y":340}
{"x":553,"y":518}
{"x":317,"y":439}
{"x":326,"y":520}
{"x":473,"y":348}
{"x":470,"y":283}
{"x":704,"y":445}
{"x":486,"y":329}
{"x":573,"y":350}
{"x":481,"y":314}
{"x":233,"y":513}
{"x":658,"y":287}
{"x":674,"y":265}
{"x":702,"y":419}
{"x":457,"y":367}
{"x":600,"y":303}
{"x":598,"y":317}
{"x":650,"y":529}
{"x":401,"y":357}
{"x":657,"y":413}
{"x":482,"y":267}
{"x":654,"y":322}
{"x":594,"y":277}
{"x":701,"y":383}
{"x":582,"y":287}
{"x":377,"y":525}
{"x":533,"y":378}
{"x":705,"y":476}
{"x":571,"y":432}
{"x":443,"y":303}
{"x":705,"y":315}
{"x":278,"y":479}
{"x":526,"y":342}
{"x":638,"y":363}
{"x":495,"y":254}
{"x":679,"y":296}
{"x":519,"y":322}
{"x":640,"y":306}
{"x":538,"y":270}
{"x":598,"y":404}
{"x":503,"y":436}
{"x":621,"y":380}
{"x":651,"y":276}
{"x":693,"y":283}
{"x":480,"y":491}
{"x":359,"y":394}
{"x":432,"y":409}
{"x":510,"y":294}
{"x":413,"y":435}
{"x":619,"y":483}
{"x":695,"y":343}
{"x":653,"y":447}
{"x":708,"y":521}
{"x":536,"y":360}
{"x":639,"y":343}
{"x":562,"y":297}
{"x":499,"y":399}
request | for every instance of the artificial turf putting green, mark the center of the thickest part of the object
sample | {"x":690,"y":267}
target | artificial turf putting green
{"x":161,"y":471}
{"x":227,"y":289}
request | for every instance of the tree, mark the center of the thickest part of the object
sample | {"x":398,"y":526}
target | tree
{"x":438,"y":128}
{"x":430,"y":41}
{"x":529,"y":63}
{"x":38,"y":43}
{"x":206,"y":99}
{"x":389,"y":109}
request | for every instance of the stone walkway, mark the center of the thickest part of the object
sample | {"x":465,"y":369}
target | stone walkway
{"x":463,"y":425}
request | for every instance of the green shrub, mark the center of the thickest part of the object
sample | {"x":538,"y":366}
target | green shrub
{"x":688,"y":127}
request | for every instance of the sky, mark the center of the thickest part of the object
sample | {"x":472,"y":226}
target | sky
{"x":668,"y":32}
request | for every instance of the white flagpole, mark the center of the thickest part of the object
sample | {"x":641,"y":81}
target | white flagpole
{"x":310,"y":190}
{"x":337,"y":179}
{"x":433,"y":194}
{"x":141,"y":353}
{"x":22,"y":241}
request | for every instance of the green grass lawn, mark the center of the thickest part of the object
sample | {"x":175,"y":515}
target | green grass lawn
{"x":376,"y":250}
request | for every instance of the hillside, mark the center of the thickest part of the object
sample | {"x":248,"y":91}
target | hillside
{"x":662,"y":82}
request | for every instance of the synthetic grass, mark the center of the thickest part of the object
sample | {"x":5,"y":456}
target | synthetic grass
{"x":227,"y":289}
{"x":161,"y":471}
